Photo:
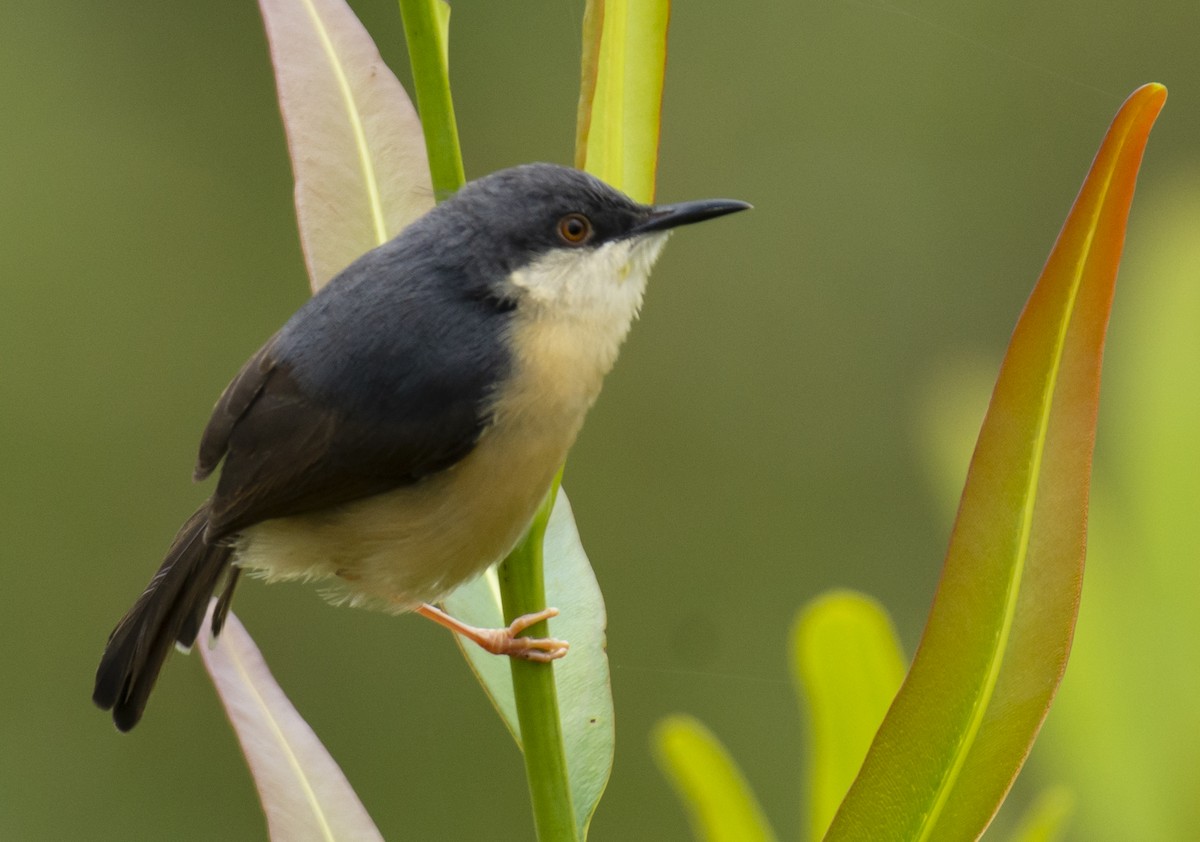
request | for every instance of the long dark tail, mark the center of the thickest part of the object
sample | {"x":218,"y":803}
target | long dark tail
{"x":169,"y":611}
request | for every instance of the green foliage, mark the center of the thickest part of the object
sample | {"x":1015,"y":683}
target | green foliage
{"x":620,"y":101}
{"x":427,"y":31}
{"x":847,"y":665}
{"x":996,"y":643}
{"x":581,"y":679}
{"x":997,"y":639}
{"x":1123,"y":714}
{"x":713,"y":790}
{"x":1125,"y":733}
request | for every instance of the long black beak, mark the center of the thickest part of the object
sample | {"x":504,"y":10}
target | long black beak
{"x":665,"y":217}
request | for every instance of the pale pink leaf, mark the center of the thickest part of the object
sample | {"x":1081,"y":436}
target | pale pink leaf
{"x":354,"y":138}
{"x":303,"y":792}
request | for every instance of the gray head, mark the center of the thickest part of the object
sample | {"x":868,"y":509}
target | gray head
{"x":557,"y":237}
{"x":525,"y":212}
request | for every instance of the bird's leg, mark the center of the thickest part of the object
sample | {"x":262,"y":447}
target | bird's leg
{"x":505,"y":641}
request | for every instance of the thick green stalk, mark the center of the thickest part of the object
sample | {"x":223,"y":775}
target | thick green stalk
{"x":426,"y":23}
{"x":522,"y":586}
{"x":522,"y":591}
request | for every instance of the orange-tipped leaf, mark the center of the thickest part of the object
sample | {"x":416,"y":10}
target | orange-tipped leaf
{"x":999,"y":633}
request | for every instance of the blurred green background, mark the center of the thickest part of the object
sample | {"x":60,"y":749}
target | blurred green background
{"x":788,"y":416}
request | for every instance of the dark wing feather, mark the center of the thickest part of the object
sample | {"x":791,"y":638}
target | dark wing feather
{"x":233,"y":403}
{"x":288,"y":451}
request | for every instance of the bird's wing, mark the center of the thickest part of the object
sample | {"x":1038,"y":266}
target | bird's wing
{"x":288,"y":451}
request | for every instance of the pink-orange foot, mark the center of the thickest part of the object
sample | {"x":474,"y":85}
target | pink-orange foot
{"x":505,"y":641}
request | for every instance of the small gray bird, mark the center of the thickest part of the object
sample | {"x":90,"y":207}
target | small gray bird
{"x":396,"y":436}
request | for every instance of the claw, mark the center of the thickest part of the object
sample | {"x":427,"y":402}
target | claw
{"x":506,"y":641}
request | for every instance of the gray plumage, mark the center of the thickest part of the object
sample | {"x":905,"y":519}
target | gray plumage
{"x":385,"y":379}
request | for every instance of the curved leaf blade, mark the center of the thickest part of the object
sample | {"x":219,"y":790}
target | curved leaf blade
{"x":581,"y":678}
{"x":356,"y":146}
{"x":998,"y":635}
{"x":719,"y":802}
{"x":302,"y":789}
{"x":620,"y":107}
{"x":847,"y":665}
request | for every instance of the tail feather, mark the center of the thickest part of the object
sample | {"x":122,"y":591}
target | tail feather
{"x":169,"y":611}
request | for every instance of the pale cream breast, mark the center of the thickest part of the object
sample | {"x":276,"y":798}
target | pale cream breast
{"x":417,"y":543}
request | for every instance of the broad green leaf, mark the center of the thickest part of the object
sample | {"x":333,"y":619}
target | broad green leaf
{"x":1046,"y":819}
{"x":719,"y":803}
{"x":1137,"y":621}
{"x":581,"y":678}
{"x":354,"y":138}
{"x":303,"y":792}
{"x":848,"y":665}
{"x":998,"y":635}
{"x":624,"y":61}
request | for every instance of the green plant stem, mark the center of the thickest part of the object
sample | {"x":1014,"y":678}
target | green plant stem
{"x":522,"y":586}
{"x":425,"y":30}
{"x":522,"y":591}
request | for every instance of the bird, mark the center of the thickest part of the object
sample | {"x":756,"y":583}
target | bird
{"x":396,"y":436}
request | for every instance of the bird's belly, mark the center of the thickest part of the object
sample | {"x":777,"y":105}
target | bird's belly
{"x":417,"y":543}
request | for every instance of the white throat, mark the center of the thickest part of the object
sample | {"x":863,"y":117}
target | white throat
{"x":575,"y":309}
{"x":598,"y":289}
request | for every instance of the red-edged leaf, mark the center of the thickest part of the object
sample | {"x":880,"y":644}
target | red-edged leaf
{"x":999,"y":632}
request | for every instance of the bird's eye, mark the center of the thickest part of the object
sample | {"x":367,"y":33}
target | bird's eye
{"x":575,"y":229}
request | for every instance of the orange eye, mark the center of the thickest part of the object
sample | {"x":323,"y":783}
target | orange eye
{"x":575,"y":229}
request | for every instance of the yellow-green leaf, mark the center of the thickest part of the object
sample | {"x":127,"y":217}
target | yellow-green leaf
{"x":719,"y":803}
{"x":847,"y":665}
{"x":998,"y":635}
{"x":624,"y":61}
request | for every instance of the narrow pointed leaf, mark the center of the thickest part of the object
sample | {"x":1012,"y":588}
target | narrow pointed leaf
{"x":998,"y":635}
{"x":355,"y":142}
{"x":719,"y":802}
{"x":593,"y":29}
{"x":848,"y":665}
{"x":624,"y":62}
{"x":303,"y":792}
{"x":581,"y":678}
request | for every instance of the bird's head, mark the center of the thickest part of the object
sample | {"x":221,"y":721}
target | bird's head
{"x":557,"y":239}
